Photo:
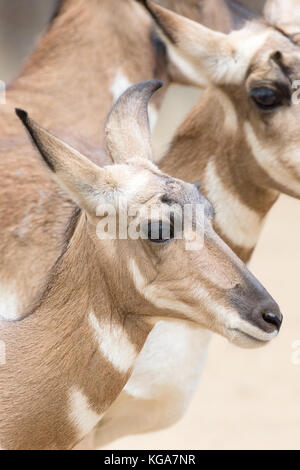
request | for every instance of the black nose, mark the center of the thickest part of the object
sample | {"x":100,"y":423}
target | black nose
{"x":256,"y":306}
{"x":273,"y":319}
{"x":266,"y":315}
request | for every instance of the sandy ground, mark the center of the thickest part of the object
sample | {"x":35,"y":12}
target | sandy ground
{"x":247,"y":399}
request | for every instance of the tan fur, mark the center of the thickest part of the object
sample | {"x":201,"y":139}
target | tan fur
{"x":214,"y":13}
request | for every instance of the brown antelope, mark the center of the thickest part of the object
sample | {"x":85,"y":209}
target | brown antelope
{"x":71,"y":355}
{"x":82,"y":64}
{"x":233,"y":143}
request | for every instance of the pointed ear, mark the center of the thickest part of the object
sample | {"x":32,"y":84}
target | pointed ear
{"x":200,"y":54}
{"x":127,"y":128}
{"x":81,"y":178}
{"x":283,"y":12}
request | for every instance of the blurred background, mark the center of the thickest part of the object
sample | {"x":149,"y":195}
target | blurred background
{"x":247,"y":399}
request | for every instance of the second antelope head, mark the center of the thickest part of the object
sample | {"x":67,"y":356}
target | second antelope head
{"x":255,"y":74}
{"x":153,"y":270}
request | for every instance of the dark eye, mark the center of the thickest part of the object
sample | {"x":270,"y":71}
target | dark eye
{"x":266,"y":98}
{"x":160,"y":232}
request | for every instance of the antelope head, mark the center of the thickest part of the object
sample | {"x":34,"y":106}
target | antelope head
{"x":256,"y":72}
{"x":152,"y":270}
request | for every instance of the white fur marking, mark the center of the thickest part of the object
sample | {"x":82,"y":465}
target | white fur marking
{"x":187,"y":68}
{"x":272,"y":164}
{"x":132,"y":184}
{"x":230,"y":114}
{"x":114,"y":344}
{"x":9,"y":303}
{"x":228,"y":65}
{"x":165,"y":377}
{"x":81,"y":413}
{"x":246,"y":44}
{"x":170,"y":364}
{"x":158,"y":296}
{"x":153,"y":116}
{"x":238,"y":222}
{"x":119,"y":85}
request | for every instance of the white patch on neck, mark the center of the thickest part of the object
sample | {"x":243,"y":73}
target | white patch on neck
{"x":81,"y":413}
{"x":164,"y":380}
{"x":271,"y":164}
{"x":169,"y":366}
{"x":238,"y":223}
{"x":9,"y":303}
{"x":114,"y":344}
{"x":120,"y":84}
{"x":230,"y":114}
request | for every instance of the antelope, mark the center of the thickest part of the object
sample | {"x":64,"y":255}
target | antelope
{"x":86,"y":58}
{"x":233,"y":143}
{"x":72,"y":353}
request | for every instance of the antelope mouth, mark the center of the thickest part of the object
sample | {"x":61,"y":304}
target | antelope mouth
{"x":252,"y":338}
{"x":249,"y":340}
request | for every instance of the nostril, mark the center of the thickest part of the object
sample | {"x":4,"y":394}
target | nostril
{"x":273,"y":319}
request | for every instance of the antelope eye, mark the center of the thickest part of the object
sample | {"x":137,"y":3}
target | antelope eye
{"x":160,"y":232}
{"x":266,"y":98}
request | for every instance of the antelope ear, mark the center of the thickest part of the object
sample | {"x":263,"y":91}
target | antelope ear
{"x":82,"y":179}
{"x":283,"y":12}
{"x":127,"y":128}
{"x":201,"y":54}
